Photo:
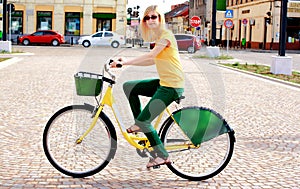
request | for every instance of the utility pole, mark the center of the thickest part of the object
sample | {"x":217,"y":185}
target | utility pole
{"x":283,"y":23}
{"x":4,"y":21}
{"x":213,"y":23}
{"x":282,"y":64}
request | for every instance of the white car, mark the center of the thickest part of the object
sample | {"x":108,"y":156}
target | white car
{"x":102,"y":38}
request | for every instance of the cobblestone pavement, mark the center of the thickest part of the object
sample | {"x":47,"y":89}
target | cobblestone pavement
{"x":264,"y":114}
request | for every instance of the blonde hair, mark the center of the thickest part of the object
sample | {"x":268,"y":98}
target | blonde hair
{"x":148,"y":34}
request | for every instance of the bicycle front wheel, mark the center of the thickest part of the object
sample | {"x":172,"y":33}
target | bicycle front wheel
{"x":196,"y":162}
{"x":86,"y":158}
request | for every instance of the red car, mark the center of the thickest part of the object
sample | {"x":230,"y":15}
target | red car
{"x":43,"y":37}
{"x":187,"y":42}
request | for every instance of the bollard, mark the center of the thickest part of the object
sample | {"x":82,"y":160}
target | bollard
{"x":71,"y":40}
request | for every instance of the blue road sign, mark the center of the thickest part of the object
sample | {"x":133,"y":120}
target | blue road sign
{"x":229,"y":14}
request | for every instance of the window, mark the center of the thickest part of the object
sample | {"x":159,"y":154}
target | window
{"x":44,"y":20}
{"x":108,"y":34}
{"x":16,"y":22}
{"x":191,"y":3}
{"x":98,"y":34}
{"x":49,"y":33}
{"x":72,"y":23}
{"x":38,"y":33}
{"x":104,"y":25}
{"x":104,"y":21}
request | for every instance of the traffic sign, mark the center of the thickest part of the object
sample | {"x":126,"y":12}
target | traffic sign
{"x":228,"y":23}
{"x":229,"y":13}
{"x":195,"y":21}
{"x":245,"y":21}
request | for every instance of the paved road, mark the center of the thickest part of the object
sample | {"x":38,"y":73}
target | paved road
{"x":264,"y":114}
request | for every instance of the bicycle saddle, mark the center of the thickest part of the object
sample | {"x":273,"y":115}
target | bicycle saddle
{"x":178,"y":100}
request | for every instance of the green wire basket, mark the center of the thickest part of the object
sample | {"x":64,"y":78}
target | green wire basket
{"x":88,"y":84}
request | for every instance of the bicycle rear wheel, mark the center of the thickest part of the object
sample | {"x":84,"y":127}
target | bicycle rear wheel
{"x":92,"y":154}
{"x":196,"y":163}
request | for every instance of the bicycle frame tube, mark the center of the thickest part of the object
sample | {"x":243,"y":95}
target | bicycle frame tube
{"x":108,"y":99}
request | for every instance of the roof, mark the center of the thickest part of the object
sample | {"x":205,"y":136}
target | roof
{"x":181,"y":10}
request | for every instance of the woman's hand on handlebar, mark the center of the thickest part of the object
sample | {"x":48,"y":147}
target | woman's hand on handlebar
{"x":118,"y":63}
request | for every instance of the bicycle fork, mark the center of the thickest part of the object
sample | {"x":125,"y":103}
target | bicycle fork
{"x":95,"y":115}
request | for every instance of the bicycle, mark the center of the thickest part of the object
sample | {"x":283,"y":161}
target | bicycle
{"x":80,"y":140}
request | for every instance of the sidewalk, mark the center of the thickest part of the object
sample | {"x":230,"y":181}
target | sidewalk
{"x":252,"y":56}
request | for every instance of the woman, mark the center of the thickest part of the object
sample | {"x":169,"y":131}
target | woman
{"x":164,"y":90}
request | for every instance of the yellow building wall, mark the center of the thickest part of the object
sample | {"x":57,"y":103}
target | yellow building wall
{"x":59,"y":7}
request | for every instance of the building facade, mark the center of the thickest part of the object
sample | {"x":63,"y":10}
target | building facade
{"x":256,"y":23}
{"x":177,"y":19}
{"x":69,"y":17}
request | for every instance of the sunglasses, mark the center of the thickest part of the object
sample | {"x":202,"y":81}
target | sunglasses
{"x":153,"y":17}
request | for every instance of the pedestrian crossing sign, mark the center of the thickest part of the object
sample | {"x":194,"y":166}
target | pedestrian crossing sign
{"x":229,"y":14}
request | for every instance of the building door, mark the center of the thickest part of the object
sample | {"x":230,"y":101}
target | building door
{"x":265,"y":34}
{"x":104,"y":24}
{"x":240,"y":33}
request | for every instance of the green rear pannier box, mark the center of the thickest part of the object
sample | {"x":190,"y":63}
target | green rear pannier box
{"x":200,"y":124}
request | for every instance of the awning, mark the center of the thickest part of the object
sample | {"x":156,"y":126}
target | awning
{"x":105,"y":15}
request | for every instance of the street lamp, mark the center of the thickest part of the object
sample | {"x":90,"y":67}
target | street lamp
{"x":213,"y":23}
{"x":283,"y":23}
{"x":282,"y":64}
{"x":4,"y":20}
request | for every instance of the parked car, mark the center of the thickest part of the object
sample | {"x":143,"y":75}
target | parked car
{"x":102,"y":38}
{"x":42,"y":37}
{"x":187,"y":42}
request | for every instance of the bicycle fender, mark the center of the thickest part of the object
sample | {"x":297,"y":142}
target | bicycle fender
{"x":89,"y":106}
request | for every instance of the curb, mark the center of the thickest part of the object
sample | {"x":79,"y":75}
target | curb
{"x":9,"y":62}
{"x":258,"y":75}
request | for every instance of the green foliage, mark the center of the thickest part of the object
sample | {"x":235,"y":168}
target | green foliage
{"x":265,"y":70}
{"x":3,"y":59}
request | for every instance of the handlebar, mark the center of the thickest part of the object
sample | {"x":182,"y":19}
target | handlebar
{"x":107,"y":69}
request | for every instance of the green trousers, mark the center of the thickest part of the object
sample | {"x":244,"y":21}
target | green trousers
{"x":161,"y":97}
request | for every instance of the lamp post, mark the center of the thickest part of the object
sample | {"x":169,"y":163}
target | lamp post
{"x":4,"y":20}
{"x":282,"y":64}
{"x":283,"y":23}
{"x":213,"y":23}
{"x":213,"y":50}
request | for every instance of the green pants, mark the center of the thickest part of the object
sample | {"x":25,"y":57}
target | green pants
{"x":161,"y":97}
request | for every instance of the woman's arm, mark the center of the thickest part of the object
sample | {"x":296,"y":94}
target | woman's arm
{"x":146,"y":59}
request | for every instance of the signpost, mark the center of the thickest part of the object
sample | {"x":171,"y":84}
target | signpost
{"x":228,"y":23}
{"x":229,"y":13}
{"x":245,"y":21}
{"x":195,"y":21}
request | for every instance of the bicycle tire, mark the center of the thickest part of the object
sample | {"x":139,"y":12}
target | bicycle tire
{"x":199,"y":163}
{"x":90,"y":156}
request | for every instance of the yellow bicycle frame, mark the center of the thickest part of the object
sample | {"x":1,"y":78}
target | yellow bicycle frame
{"x":132,"y":139}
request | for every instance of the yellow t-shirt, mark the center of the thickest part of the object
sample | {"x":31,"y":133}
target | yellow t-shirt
{"x":168,"y":63}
